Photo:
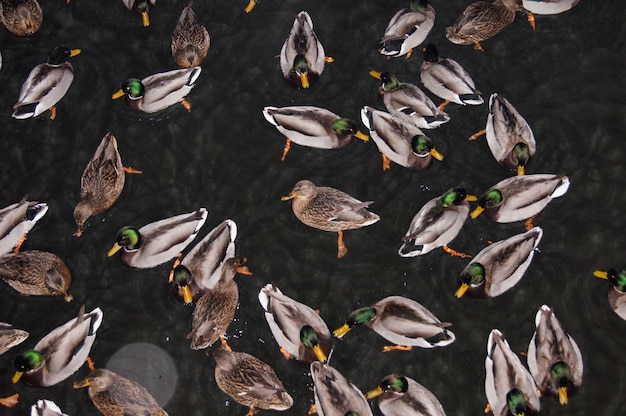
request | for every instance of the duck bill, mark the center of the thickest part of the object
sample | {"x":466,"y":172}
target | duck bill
{"x":461,"y":290}
{"x":304,"y":80}
{"x":288,"y":197}
{"x":320,"y":354}
{"x":74,"y":52}
{"x":471,"y":198}
{"x":477,"y":211}
{"x":187,"y":298}
{"x":250,"y":6}
{"x":601,"y":274}
{"x":145,"y":19}
{"x":116,"y":247}
{"x":81,"y":384}
{"x":563,"y":395}
{"x":118,"y":94}
{"x":435,"y":153}
{"x":361,"y":136}
{"x":520,"y":171}
{"x":375,"y":74}
{"x":17,"y":376}
{"x":341,"y":331}
{"x":374,"y":393}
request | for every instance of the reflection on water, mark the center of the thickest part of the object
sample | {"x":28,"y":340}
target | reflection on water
{"x":565,"y":78}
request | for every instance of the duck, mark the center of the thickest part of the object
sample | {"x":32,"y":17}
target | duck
{"x":509,"y":136}
{"x":499,"y":266}
{"x":482,"y":20}
{"x":61,"y":352}
{"x":520,"y":197}
{"x":402,"y":321}
{"x":509,"y":386}
{"x":329,"y":209}
{"x":548,"y":6}
{"x":408,"y":100}
{"x":113,"y":394}
{"x":399,"y":140}
{"x":45,"y":407}
{"x":142,"y":7}
{"x":407,"y":29}
{"x":334,"y":394}
{"x":312,"y":126}
{"x":10,"y":337}
{"x":249,"y":381}
{"x":401,"y":395}
{"x":190,"y":40}
{"x":617,"y":291}
{"x":36,"y":273}
{"x":21,"y":17}
{"x":46,"y":85}
{"x":302,"y":57}
{"x":554,"y":359}
{"x":159,"y":91}
{"x":158,"y":242}
{"x":299,"y":330}
{"x":437,"y":223}
{"x":101,"y":183}
{"x":447,"y":79}
{"x":16,"y":220}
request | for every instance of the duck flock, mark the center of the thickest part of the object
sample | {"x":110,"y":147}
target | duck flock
{"x":209,"y":280}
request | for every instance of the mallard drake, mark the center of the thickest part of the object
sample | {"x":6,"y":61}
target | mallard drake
{"x":36,"y":273}
{"x":142,"y":7}
{"x":312,"y":126}
{"x":407,"y":100}
{"x":447,"y":79}
{"x":302,"y":57}
{"x":113,"y":394}
{"x":437,"y":223}
{"x":508,"y":384}
{"x":101,"y":183}
{"x":617,"y":291}
{"x":329,"y":209}
{"x":402,"y":321}
{"x":16,"y":220}
{"x":46,"y":408}
{"x":249,"y":381}
{"x":549,"y":6}
{"x":61,"y":353}
{"x":159,"y":91}
{"x":10,"y":337}
{"x":510,"y":138}
{"x":21,"y":17}
{"x":401,"y":395}
{"x":190,"y":40}
{"x":554,"y":359}
{"x":499,"y":266}
{"x":407,"y":29}
{"x":399,"y":140}
{"x":297,"y":328}
{"x":520,"y":197}
{"x":482,"y":20}
{"x":334,"y":394}
{"x":46,"y":85}
{"x":158,"y":242}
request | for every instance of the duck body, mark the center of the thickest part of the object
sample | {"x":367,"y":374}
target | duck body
{"x":302,"y":57}
{"x":10,"y":337}
{"x":142,"y":7}
{"x":554,"y":359}
{"x":46,"y":408}
{"x":501,"y":265}
{"x":549,"y":6}
{"x":617,"y":290}
{"x":190,"y":40}
{"x":402,"y":396}
{"x":407,"y":29}
{"x":334,"y":394}
{"x":16,"y":220}
{"x":21,"y":17}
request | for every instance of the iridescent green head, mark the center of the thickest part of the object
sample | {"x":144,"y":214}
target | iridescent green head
{"x":300,"y":64}
{"x":61,"y":54}
{"x":390,"y":81}
{"x":490,"y":199}
{"x":361,"y":316}
{"x":473,"y":274}
{"x":395,"y":383}
{"x":134,"y":88}
{"x":182,"y":276}
{"x":308,"y":336}
{"x":129,"y":238}
{"x":431,"y":54}
{"x":561,"y":374}
{"x":453,"y":196}
{"x":617,"y":279}
{"x":419,"y":5}
{"x":29,"y":360}
{"x":521,"y":153}
{"x":343,"y":126}
{"x":351,"y":413}
{"x":516,"y":402}
{"x":421,"y":145}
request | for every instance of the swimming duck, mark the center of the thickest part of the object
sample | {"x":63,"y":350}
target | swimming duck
{"x":61,"y":353}
{"x":447,"y":79}
{"x":36,"y":273}
{"x":142,"y":7}
{"x":329,"y":209}
{"x":617,"y":291}
{"x":113,"y":394}
{"x":159,"y":91}
{"x":312,"y":126}
{"x":509,"y":136}
{"x":549,"y":6}
{"x":334,"y":394}
{"x":407,"y":100}
{"x":46,"y":85}
{"x":401,"y":395}
{"x":249,"y":381}
{"x":482,"y":20}
{"x":302,"y":56}
{"x":297,"y":328}
{"x":10,"y":337}
{"x":21,"y":17}
{"x":554,"y":359}
{"x":399,"y":140}
{"x":407,"y":29}
{"x":46,"y":408}
{"x":16,"y":220}
{"x":437,"y":223}
{"x":158,"y":242}
{"x":402,"y":321}
{"x":520,"y":197}
{"x":101,"y":183}
{"x":508,"y":384}
{"x":190,"y":40}
{"x":499,"y":266}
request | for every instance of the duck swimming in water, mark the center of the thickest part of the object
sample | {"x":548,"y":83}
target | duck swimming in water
{"x":407,"y":29}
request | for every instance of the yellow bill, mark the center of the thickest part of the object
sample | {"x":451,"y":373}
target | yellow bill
{"x":435,"y":153}
{"x":341,"y":331}
{"x":361,"y":136}
{"x":118,"y":94}
{"x":477,"y":211}
{"x":374,"y":393}
{"x":116,"y":247}
{"x":461,"y":290}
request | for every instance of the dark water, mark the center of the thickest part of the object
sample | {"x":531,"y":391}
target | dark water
{"x":566,"y":78}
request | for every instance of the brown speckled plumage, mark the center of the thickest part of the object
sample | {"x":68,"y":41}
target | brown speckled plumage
{"x":190,"y":40}
{"x":21,"y":17}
